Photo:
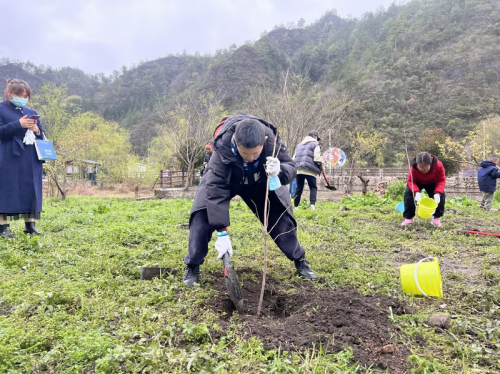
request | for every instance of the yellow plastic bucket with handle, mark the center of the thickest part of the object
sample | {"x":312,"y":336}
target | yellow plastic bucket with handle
{"x":426,"y":207}
{"x":422,"y":278}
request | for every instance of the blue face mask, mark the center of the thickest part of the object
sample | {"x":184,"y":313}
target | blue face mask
{"x":19,"y":101}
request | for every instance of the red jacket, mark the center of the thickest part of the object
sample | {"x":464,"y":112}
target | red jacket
{"x":435,"y":175}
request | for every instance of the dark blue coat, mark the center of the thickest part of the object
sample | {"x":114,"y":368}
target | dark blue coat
{"x":487,"y":176}
{"x":20,"y":169}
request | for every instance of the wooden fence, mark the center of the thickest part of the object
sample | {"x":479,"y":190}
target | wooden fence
{"x":172,"y":178}
{"x":465,"y":182}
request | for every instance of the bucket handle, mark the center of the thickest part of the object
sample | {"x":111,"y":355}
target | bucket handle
{"x":415,"y":273}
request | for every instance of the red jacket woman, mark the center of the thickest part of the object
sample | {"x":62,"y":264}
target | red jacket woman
{"x":426,"y":173}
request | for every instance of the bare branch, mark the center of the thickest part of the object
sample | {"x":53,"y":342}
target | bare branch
{"x":286,"y":232}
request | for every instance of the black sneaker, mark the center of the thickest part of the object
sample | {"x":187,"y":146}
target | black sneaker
{"x":303,"y":269}
{"x":192,"y":275}
{"x":5,"y":232}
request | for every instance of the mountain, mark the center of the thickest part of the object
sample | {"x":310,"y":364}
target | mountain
{"x":425,"y":64}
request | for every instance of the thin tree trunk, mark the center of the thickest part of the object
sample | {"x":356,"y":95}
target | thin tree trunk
{"x":189,"y":177}
{"x":53,"y":174}
{"x":265,"y":233}
{"x":59,"y":187}
{"x":365,"y":182}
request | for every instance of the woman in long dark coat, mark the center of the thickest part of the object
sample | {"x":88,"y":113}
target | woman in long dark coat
{"x":20,"y":169}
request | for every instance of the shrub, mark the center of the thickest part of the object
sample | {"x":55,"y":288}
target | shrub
{"x":369,"y":199}
{"x":395,"y":190}
{"x":462,"y":201}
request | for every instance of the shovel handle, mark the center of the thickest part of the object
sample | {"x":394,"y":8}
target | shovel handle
{"x":324,"y":176}
{"x":225,"y":260}
{"x":477,"y":233}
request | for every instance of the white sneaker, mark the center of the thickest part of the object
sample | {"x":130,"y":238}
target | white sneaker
{"x":295,"y":207}
{"x":313,"y":207}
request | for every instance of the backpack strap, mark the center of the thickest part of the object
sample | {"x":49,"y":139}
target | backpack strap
{"x":219,"y":126}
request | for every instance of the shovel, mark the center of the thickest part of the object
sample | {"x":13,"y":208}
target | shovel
{"x":333,"y":188}
{"x":232,"y":284}
{"x":467,"y":232}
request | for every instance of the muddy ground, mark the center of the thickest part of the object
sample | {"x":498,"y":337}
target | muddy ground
{"x":301,"y":317}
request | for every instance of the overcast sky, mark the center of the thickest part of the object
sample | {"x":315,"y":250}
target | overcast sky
{"x":103,"y":35}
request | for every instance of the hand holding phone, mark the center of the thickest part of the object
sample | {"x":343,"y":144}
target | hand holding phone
{"x":34,"y":116}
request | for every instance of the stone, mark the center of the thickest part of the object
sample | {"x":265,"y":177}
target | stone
{"x":439,"y":320}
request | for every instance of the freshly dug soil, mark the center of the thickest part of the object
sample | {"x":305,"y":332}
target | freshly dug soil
{"x":298,"y":318}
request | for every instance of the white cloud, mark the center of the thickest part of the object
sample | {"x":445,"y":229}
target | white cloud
{"x":104,"y":35}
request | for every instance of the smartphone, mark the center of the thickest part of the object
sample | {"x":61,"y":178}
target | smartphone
{"x":34,"y":116}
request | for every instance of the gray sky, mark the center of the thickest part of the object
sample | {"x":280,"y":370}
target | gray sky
{"x":103,"y":35}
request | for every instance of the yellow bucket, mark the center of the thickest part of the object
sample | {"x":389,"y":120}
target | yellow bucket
{"x":426,"y":207}
{"x":422,"y":278}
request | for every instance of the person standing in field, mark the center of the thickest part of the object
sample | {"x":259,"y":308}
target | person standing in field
{"x":209,"y":149}
{"x":20,"y":168}
{"x":309,"y":165}
{"x":487,"y":177}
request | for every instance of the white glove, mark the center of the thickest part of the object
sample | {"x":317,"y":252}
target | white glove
{"x":418,"y":196}
{"x":272,"y":166}
{"x":437,"y":198}
{"x":29,"y":138}
{"x":223,"y":245}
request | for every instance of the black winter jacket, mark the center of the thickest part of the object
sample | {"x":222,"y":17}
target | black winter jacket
{"x":225,"y":174}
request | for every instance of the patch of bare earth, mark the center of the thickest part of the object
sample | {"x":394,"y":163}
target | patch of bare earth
{"x":307,"y":318}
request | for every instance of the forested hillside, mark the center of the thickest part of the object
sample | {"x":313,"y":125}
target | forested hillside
{"x":423,"y":65}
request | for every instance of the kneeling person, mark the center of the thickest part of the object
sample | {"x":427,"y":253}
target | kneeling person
{"x":241,"y":164}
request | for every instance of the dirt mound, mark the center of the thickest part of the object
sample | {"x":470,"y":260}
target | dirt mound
{"x":300,"y":317}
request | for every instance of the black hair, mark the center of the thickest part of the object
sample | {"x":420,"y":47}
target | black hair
{"x":424,"y":158}
{"x":210,"y":142}
{"x":250,"y":133}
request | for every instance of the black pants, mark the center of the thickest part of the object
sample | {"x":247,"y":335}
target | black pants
{"x":311,"y":181}
{"x":409,"y":212}
{"x":284,"y":229}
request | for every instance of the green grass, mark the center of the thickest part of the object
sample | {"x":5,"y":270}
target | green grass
{"x":72,"y":301}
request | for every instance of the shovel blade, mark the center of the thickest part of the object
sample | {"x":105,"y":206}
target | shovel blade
{"x":332,"y":188}
{"x":234,"y":289}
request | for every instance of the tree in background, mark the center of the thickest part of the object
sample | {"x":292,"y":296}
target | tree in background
{"x":488,"y":131}
{"x":298,"y":108}
{"x":365,"y":147}
{"x":429,"y":142}
{"x":476,"y":146}
{"x":110,"y":146}
{"x":77,"y":135}
{"x":187,"y":128}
